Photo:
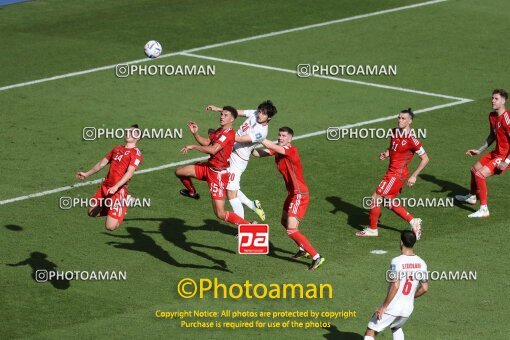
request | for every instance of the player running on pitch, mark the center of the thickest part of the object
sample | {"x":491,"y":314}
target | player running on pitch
{"x":294,"y":209}
{"x":408,"y":280}
{"x":496,"y":161}
{"x":250,"y":133}
{"x":219,"y":146}
{"x":112,"y":198}
{"x":403,"y":146}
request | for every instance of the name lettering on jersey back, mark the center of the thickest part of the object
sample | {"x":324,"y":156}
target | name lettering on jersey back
{"x":411,"y":266}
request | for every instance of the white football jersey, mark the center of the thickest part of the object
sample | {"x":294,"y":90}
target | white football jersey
{"x":410,"y":270}
{"x":256,"y":131}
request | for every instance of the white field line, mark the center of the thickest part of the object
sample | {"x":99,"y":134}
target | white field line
{"x":345,"y":80}
{"x":193,"y":160}
{"x":237,"y":41}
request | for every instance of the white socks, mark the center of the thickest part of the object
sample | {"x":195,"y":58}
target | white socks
{"x":398,"y":334}
{"x":237,"y":206}
{"x":244,"y":200}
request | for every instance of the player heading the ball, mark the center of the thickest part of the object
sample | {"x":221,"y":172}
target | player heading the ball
{"x":494,"y":162}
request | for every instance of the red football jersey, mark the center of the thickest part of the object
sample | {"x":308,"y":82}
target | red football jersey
{"x":226,"y":138}
{"x":402,"y":149}
{"x":500,"y":126}
{"x":120,"y":158}
{"x":291,"y":169}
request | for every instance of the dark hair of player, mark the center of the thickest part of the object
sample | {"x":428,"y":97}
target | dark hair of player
{"x":268,"y":108}
{"x":134,"y":126}
{"x":501,"y":92}
{"x":286,"y":129}
{"x":232,"y":110}
{"x":408,"y":238}
{"x":409,"y":112}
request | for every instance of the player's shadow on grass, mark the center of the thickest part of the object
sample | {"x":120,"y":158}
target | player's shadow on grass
{"x":357,"y":217}
{"x":144,"y":243}
{"x":41,"y":267}
{"x":13,"y":227}
{"x":335,"y":333}
{"x":450,"y":188}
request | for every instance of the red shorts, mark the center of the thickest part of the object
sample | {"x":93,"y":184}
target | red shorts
{"x":390,"y":186}
{"x":492,"y":160}
{"x":295,"y":205}
{"x":216,"y":180}
{"x":111,"y":205}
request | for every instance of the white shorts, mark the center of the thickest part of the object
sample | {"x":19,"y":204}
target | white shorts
{"x":386,"y":321}
{"x":236,"y":169}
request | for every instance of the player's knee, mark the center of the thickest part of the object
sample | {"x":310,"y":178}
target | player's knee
{"x":221,"y":214}
{"x":112,"y":224}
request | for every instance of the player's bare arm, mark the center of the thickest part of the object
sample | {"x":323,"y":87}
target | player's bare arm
{"x":261,"y":153}
{"x":193,"y":128}
{"x":243,"y":139}
{"x":490,"y":139}
{"x":392,"y":291}
{"x":424,"y":287}
{"x":272,"y":146}
{"x":209,"y":149}
{"x":424,"y":159}
{"x":127,"y":176}
{"x":219,"y":109}
{"x":101,"y":164}
{"x":384,"y":155}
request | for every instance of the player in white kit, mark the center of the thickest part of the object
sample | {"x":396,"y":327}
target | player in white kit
{"x":408,"y":280}
{"x":250,"y":133}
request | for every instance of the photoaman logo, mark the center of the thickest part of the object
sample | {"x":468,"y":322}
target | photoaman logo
{"x":253,"y":239}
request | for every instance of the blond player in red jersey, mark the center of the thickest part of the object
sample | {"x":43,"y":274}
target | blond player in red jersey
{"x":403,"y":146}
{"x":112,"y":198}
{"x":294,"y":209}
{"x":219,"y":146}
{"x":496,"y":161}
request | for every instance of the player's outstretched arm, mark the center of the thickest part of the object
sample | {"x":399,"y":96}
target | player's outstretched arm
{"x":243,"y":139}
{"x":272,"y":146}
{"x":423,"y":162}
{"x":219,"y":109}
{"x":193,"y":128}
{"x":99,"y":165}
{"x":424,"y":287}
{"x":209,"y":149}
{"x":261,"y":153}
{"x":490,"y":139}
{"x":384,"y":155}
{"x":127,"y":176}
{"x":392,"y":291}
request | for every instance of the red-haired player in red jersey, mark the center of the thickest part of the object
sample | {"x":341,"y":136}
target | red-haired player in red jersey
{"x":294,"y":209}
{"x":219,"y":145}
{"x":495,"y":162}
{"x":112,"y":197}
{"x":403,"y":146}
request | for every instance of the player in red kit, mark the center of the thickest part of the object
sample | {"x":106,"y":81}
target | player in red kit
{"x":294,"y":209}
{"x":403,"y":146}
{"x":219,"y":146}
{"x":112,"y":198}
{"x":496,"y":161}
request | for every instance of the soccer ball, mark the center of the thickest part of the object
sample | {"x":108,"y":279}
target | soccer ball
{"x":153,"y":49}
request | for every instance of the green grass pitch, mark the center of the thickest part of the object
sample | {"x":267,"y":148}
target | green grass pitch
{"x":453,"y":48}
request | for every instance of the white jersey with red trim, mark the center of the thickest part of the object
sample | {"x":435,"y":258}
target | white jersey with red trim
{"x":255,"y":130}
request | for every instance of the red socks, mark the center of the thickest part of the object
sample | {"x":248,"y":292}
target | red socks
{"x":375,"y":213}
{"x":301,"y":241}
{"x":188,"y":184}
{"x":482,"y":187}
{"x":233,"y":218}
{"x":400,"y":211}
